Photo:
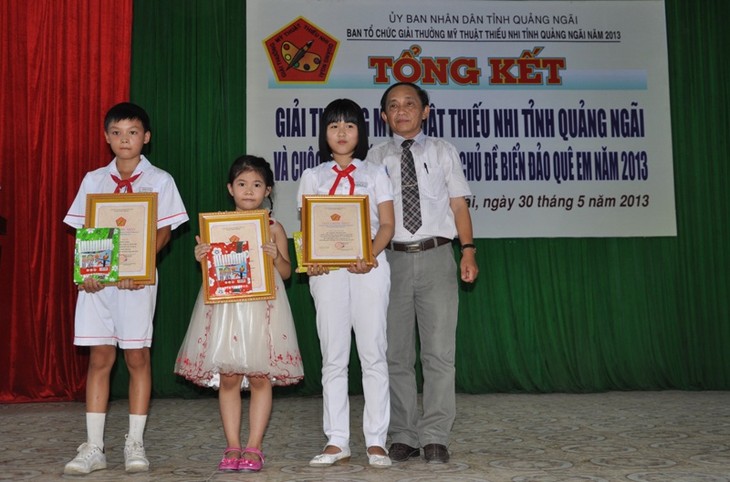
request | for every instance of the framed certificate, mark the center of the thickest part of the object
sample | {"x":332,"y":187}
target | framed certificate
{"x":135,"y":214}
{"x":244,"y":232}
{"x":336,"y":230}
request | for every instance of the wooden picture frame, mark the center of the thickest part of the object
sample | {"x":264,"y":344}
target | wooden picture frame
{"x":244,"y":227}
{"x":135,"y":214}
{"x":336,"y":230}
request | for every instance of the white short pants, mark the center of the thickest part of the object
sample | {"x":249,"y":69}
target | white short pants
{"x":115,"y":317}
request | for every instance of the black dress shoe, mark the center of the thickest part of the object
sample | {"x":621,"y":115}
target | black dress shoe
{"x":436,"y":454}
{"x":401,"y":452}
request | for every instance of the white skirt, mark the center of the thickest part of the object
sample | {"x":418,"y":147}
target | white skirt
{"x":250,"y":338}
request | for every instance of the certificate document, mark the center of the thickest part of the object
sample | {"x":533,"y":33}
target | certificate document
{"x":336,"y":230}
{"x":135,"y":215}
{"x":254,"y":276}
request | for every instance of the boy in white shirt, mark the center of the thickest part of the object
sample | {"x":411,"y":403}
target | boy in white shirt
{"x":111,"y":316}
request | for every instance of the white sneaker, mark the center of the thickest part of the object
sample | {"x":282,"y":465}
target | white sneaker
{"x":135,"y":459}
{"x":90,"y":458}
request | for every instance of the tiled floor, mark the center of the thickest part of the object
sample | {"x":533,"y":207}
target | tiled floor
{"x":618,"y":436}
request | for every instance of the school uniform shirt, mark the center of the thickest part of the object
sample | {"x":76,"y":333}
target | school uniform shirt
{"x":170,"y":207}
{"x":122,"y":317}
{"x":368,"y":179}
{"x":440,"y":178}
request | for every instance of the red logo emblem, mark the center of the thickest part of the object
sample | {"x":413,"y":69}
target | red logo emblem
{"x":301,"y":52}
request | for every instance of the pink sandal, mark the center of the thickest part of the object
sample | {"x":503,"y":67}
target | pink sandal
{"x":230,"y":464}
{"x":246,"y":465}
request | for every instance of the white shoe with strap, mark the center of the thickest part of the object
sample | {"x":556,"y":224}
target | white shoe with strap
{"x":326,"y":460}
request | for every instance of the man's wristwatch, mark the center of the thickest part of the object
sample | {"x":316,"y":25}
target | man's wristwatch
{"x":468,"y":246}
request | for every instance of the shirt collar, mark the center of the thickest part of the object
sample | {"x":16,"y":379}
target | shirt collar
{"x":420,"y":139}
{"x":355,"y":162}
{"x":143,"y":165}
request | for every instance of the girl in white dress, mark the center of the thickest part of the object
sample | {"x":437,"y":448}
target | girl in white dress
{"x":246,"y":344}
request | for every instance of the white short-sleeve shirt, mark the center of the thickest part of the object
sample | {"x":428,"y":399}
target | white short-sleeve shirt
{"x":369,"y":179}
{"x":440,"y":178}
{"x":170,"y":207}
{"x":113,"y":316}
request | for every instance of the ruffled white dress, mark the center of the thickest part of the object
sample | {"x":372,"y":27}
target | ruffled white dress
{"x":250,"y":338}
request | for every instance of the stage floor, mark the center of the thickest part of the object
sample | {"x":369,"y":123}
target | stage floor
{"x":616,"y":436}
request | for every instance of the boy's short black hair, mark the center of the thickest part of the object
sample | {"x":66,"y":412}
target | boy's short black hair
{"x":127,"y":111}
{"x":343,"y":110}
{"x":422,"y":94}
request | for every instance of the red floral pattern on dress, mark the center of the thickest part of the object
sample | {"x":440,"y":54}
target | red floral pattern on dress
{"x":284,"y":368}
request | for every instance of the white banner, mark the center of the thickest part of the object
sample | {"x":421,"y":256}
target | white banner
{"x":560,"y":110}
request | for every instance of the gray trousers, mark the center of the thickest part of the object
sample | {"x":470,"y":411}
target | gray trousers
{"x":423,"y":294}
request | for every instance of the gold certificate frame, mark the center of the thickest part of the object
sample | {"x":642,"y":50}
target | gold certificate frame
{"x":336,"y":230}
{"x":250,"y":227}
{"x":135,"y":214}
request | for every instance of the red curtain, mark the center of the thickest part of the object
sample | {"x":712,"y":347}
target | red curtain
{"x":64,"y":63}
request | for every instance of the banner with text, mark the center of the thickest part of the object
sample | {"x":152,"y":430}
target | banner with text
{"x":559,"y":110}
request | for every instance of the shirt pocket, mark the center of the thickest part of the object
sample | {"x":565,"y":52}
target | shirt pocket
{"x":431,"y":184}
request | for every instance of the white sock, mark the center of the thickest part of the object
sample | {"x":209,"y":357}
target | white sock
{"x":95,"y":428}
{"x":136,"y":427}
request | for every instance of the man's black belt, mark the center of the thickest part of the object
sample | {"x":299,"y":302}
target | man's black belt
{"x":419,"y":246}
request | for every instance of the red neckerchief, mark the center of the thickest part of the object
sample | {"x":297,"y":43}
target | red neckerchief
{"x":127,"y":183}
{"x":343,"y":173}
